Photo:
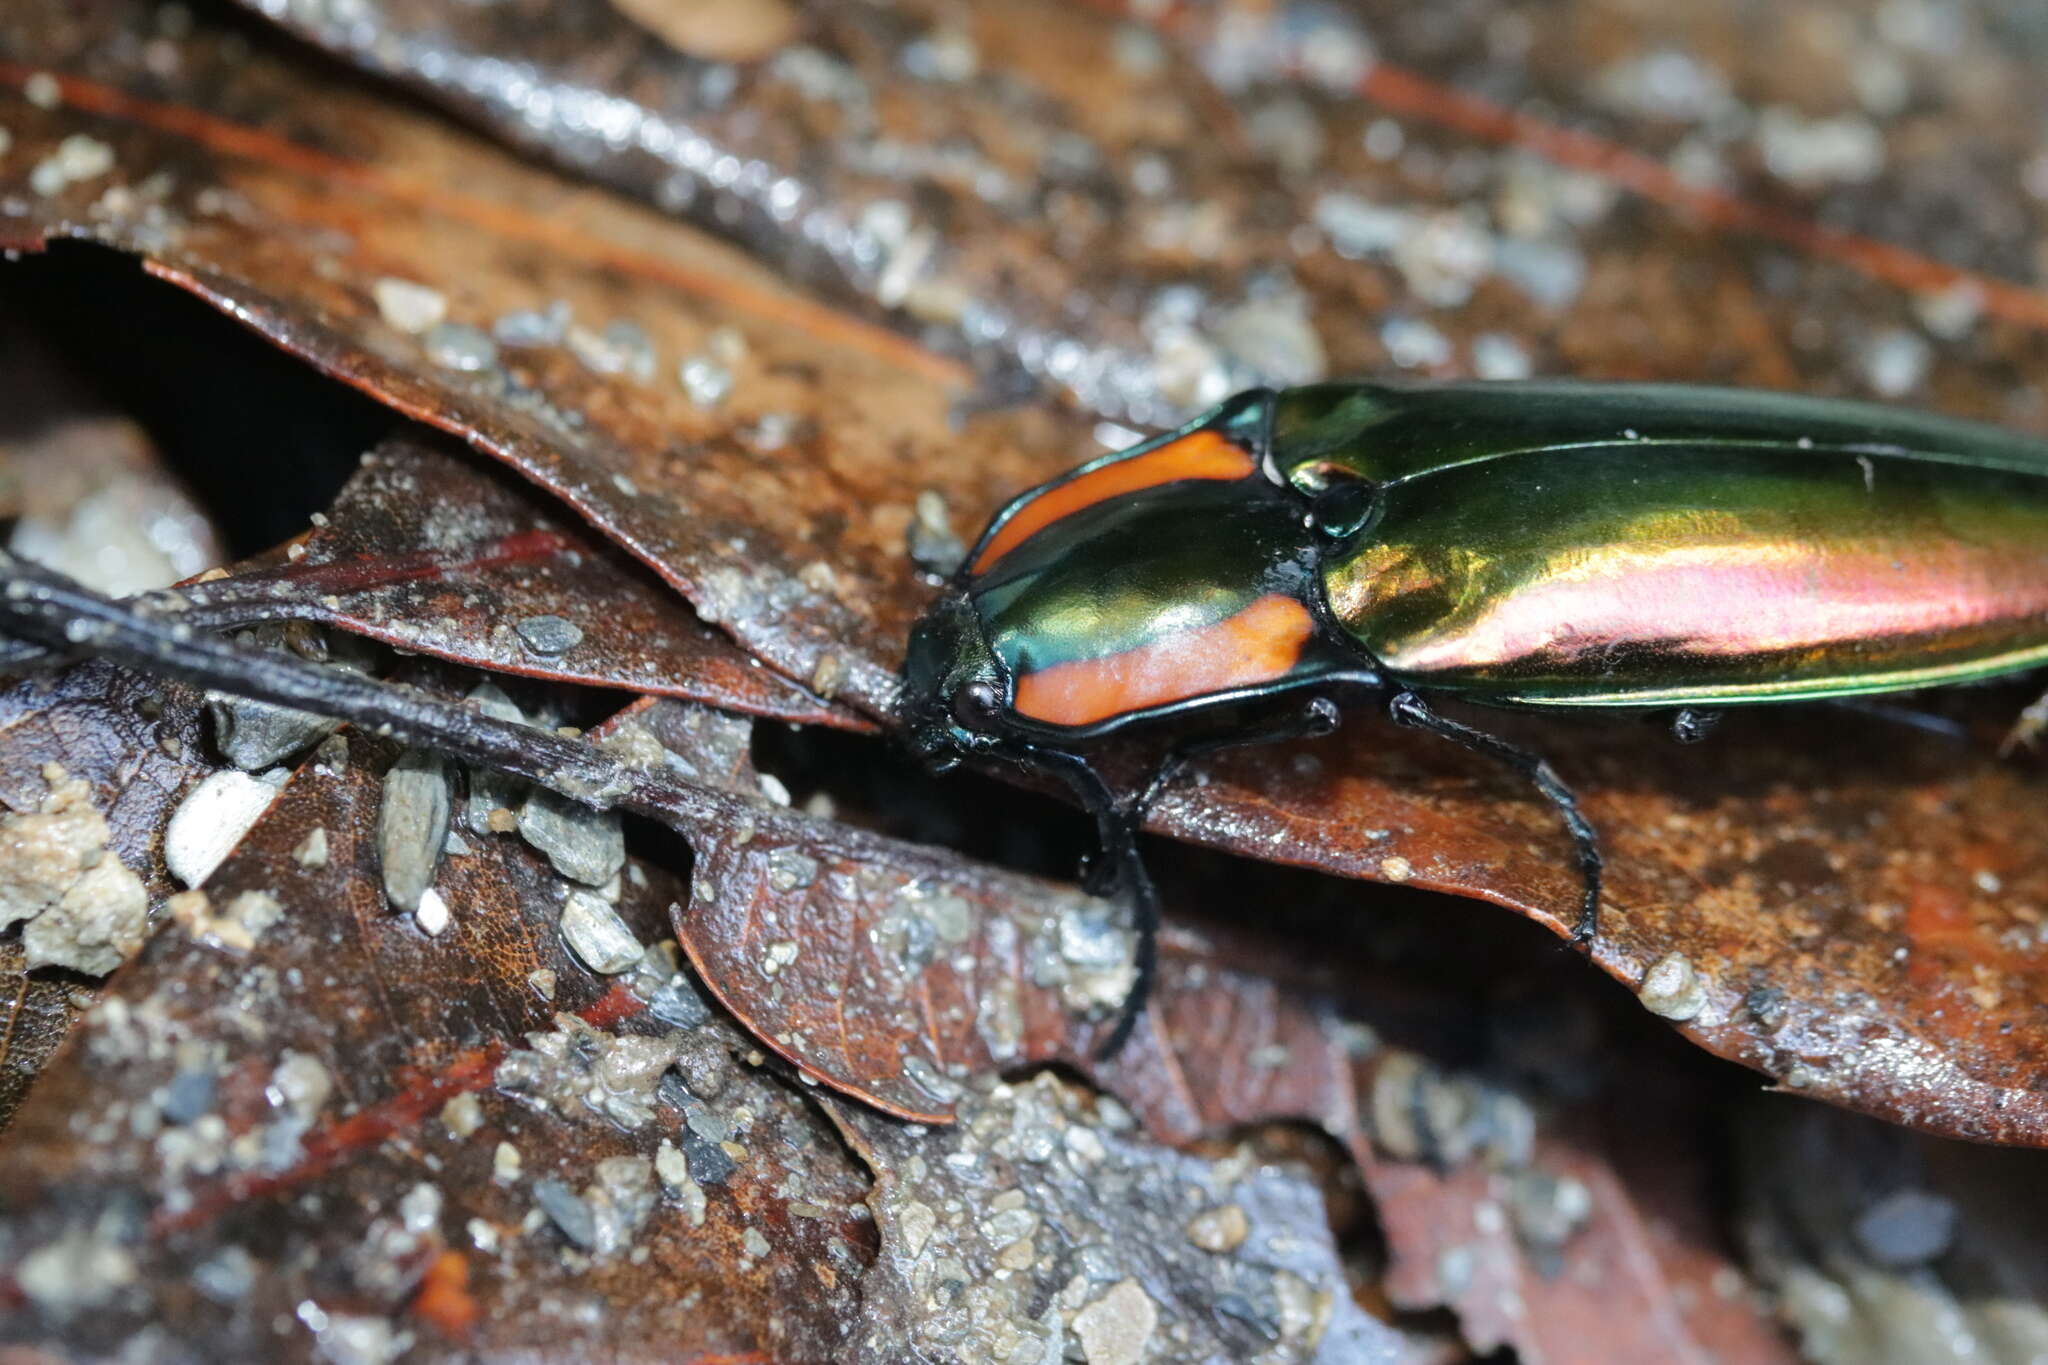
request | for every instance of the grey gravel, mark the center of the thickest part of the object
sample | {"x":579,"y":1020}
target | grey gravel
{"x":596,"y":934}
{"x":584,"y":845}
{"x":489,"y":791}
{"x":459,"y":346}
{"x":678,"y":1003}
{"x":412,"y":826}
{"x":189,"y":1095}
{"x":567,"y":1210}
{"x":548,"y":636}
{"x":254,"y":735}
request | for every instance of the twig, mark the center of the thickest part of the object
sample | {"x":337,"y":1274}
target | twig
{"x":49,"y":609}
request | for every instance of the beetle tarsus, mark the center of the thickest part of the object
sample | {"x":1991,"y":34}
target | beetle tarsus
{"x":1691,"y":725}
{"x":1406,"y":708}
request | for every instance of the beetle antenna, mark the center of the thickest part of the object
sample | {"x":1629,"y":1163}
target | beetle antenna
{"x":1408,"y":709}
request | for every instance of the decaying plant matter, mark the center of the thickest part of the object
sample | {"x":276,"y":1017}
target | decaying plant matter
{"x":523,"y":934}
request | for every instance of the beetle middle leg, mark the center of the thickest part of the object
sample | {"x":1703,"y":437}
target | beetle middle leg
{"x":1317,"y":717}
{"x":1408,"y":709}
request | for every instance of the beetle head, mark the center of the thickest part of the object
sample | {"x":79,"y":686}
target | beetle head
{"x":954,"y":690}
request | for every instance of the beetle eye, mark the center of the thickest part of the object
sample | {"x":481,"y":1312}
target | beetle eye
{"x":975,"y":705}
{"x":1340,"y":509}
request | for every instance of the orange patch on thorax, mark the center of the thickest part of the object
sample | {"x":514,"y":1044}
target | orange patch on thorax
{"x":1197,"y":455}
{"x":1257,"y":645}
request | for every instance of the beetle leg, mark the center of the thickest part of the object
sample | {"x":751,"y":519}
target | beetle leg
{"x":1116,"y":868}
{"x":1408,"y":709}
{"x":2027,"y":728}
{"x":1925,"y":721}
{"x":1318,"y":717}
{"x":1690,"y":726}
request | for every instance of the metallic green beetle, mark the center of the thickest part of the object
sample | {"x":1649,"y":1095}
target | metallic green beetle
{"x":1535,"y":545}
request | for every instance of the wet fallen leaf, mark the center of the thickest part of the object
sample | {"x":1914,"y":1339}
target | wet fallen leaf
{"x":353,"y":1134}
{"x":427,"y":551}
{"x":1143,"y":208}
{"x":899,"y":974}
{"x":742,"y":501}
{"x":137,"y":744}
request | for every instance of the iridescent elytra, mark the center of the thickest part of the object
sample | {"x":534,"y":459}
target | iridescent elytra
{"x":1544,"y":545}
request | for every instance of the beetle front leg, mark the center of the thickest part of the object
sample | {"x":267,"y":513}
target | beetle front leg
{"x":1116,"y":869}
{"x":1408,"y":709}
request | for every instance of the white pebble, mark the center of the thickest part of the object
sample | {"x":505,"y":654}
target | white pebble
{"x":212,"y":819}
{"x":408,"y":306}
{"x":432,"y":915}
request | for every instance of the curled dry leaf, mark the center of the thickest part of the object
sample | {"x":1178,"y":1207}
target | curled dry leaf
{"x":427,"y":551}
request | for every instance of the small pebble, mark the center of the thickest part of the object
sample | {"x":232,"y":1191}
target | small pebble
{"x":1548,"y":1209}
{"x":254,"y":735}
{"x":706,"y":381}
{"x":212,"y":819}
{"x":596,"y":934}
{"x":463,"y":1114}
{"x":533,"y":327}
{"x":1219,"y":1230}
{"x":459,"y":346}
{"x":548,"y":636}
{"x":567,"y":1210}
{"x":412,"y":826}
{"x":432,"y":913}
{"x":1673,"y":989}
{"x":584,"y":845}
{"x":77,"y":158}
{"x":408,"y":306}
{"x":312,"y":850}
{"x":1117,"y":1328}
{"x":1906,"y":1228}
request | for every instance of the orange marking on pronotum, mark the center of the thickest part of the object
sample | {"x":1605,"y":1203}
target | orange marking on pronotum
{"x":1257,"y":645}
{"x":1197,"y":455}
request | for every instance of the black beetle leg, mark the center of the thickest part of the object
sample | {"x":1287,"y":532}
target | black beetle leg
{"x":1408,"y":709}
{"x":1116,"y":869}
{"x":2027,"y":728}
{"x":1317,"y":717}
{"x":1924,"y":721}
{"x":1691,"y":726}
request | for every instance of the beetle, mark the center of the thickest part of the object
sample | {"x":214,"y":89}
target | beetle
{"x":1539,"y":545}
